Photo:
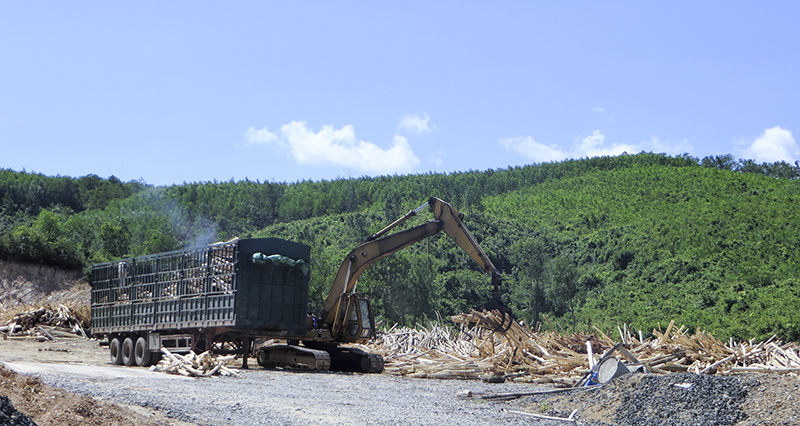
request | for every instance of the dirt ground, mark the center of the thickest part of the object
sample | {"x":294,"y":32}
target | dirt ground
{"x":23,"y":284}
{"x":46,"y":405}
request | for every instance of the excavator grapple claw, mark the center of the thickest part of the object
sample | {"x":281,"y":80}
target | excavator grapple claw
{"x":497,"y":305}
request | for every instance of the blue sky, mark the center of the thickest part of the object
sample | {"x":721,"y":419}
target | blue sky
{"x":173,"y":92}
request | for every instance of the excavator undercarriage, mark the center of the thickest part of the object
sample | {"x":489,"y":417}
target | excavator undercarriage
{"x":330,"y":358}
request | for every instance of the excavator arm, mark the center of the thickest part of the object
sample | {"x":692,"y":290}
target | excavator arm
{"x":455,"y":228}
{"x":342,"y":306}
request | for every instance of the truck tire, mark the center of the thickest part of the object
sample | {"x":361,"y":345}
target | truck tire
{"x":115,"y":349}
{"x":142,"y":353}
{"x":127,"y":352}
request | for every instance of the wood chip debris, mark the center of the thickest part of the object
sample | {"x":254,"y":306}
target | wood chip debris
{"x":193,"y":365}
{"x":476,"y":347}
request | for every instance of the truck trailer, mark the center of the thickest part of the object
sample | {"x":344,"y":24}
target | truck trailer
{"x":220,"y":297}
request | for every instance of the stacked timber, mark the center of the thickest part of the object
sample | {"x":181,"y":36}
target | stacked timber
{"x":193,"y":365}
{"x":222,"y":268}
{"x":482,"y":345}
{"x":46,"y":323}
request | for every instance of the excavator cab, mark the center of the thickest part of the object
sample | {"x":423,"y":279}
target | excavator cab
{"x":358,"y":324}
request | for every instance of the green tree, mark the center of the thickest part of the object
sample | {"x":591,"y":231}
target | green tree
{"x":561,"y":286}
{"x":115,"y":238}
{"x":528,"y":257}
{"x":156,"y":242}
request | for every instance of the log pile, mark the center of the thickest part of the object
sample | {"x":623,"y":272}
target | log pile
{"x":677,"y":350}
{"x":479,"y":347}
{"x":222,"y":268}
{"x":192,"y":365}
{"x":46,"y":323}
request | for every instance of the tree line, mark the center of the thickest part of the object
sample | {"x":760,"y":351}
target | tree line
{"x":636,"y":238}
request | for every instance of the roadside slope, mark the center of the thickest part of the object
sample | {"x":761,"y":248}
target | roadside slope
{"x":27,"y":284}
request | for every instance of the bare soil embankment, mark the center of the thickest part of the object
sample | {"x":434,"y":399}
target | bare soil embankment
{"x":24,"y":284}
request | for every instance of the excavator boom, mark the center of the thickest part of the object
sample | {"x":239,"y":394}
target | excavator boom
{"x":455,"y":228}
{"x":340,"y":305}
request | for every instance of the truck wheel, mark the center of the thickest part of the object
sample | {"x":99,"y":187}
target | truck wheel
{"x":115,"y":349}
{"x":127,"y":352}
{"x":142,"y":353}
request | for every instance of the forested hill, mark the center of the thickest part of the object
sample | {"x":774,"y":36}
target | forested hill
{"x":708,"y":248}
{"x":641,"y":239}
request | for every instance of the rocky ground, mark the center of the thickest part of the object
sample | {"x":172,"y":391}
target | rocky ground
{"x":681,"y":399}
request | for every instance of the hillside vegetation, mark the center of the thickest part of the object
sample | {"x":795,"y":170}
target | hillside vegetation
{"x":705,"y":247}
{"x":641,"y":239}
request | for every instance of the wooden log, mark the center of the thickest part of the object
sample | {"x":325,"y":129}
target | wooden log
{"x":229,"y":371}
{"x":713,"y":366}
{"x":590,"y":354}
{"x":10,"y":328}
{"x":57,"y":332}
{"x":26,"y":337}
{"x":46,"y":333}
{"x":603,"y":335}
{"x":764,"y":369}
{"x":571,"y":417}
{"x":436,"y":348}
{"x":169,"y":355}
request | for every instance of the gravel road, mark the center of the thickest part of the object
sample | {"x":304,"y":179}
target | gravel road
{"x":274,"y":397}
{"x":267,"y":397}
{"x":298,"y":398}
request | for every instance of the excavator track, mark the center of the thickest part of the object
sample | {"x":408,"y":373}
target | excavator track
{"x":375,"y":363}
{"x":355,"y":360}
{"x":298,"y":357}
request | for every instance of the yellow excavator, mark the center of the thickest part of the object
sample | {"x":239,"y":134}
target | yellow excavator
{"x":346,"y":316}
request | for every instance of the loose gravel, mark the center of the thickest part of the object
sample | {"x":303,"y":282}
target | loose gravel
{"x":303,"y":398}
{"x":684,"y":399}
{"x":680,"y":399}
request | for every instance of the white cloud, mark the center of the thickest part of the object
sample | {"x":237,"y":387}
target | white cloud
{"x":655,"y":145}
{"x":775,"y":144}
{"x":593,"y":145}
{"x":416,"y":124}
{"x":338,"y":147}
{"x":532,"y":150}
{"x":262,"y":136}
